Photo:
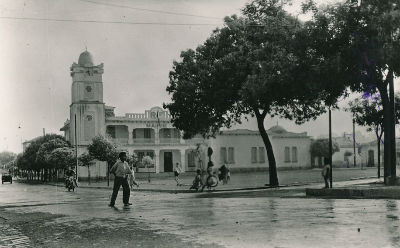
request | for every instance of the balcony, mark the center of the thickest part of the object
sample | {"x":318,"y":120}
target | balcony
{"x":120,"y":140}
{"x":170,"y":140}
{"x":144,"y":141}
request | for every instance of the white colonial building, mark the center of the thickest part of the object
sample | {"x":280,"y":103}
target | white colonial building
{"x":151,"y":133}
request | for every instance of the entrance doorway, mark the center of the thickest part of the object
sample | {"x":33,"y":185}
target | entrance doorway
{"x":371,"y":159}
{"x":168,"y":167}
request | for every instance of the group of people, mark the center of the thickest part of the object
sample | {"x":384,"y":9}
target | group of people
{"x":124,"y":176}
{"x":211,"y":180}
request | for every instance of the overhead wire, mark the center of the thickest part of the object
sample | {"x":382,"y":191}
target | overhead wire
{"x":108,"y":22}
{"x":149,"y":10}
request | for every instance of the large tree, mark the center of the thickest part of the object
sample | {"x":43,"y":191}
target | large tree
{"x":86,"y":160}
{"x":368,"y":112}
{"x":320,"y":148}
{"x":255,"y":66}
{"x":62,"y":158}
{"x":366,"y":42}
{"x":29,"y":160}
{"x":6,"y":157}
{"x":103,"y":150}
{"x":45,"y":150}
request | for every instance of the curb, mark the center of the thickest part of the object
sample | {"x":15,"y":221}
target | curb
{"x":347,"y":193}
{"x":174,"y":191}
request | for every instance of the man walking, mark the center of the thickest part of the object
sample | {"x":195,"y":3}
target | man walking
{"x":326,"y":172}
{"x":121,"y":171}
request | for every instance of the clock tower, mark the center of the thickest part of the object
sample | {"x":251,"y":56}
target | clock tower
{"x":87,"y":106}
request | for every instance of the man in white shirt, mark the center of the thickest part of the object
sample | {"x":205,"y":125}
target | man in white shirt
{"x":121,"y":171}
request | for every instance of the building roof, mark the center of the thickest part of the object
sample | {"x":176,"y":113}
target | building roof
{"x":66,"y":125}
{"x":275,"y":131}
{"x":239,"y":132}
{"x":85,"y":59}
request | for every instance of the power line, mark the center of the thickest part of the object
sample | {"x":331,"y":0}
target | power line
{"x":150,"y":10}
{"x":109,"y":22}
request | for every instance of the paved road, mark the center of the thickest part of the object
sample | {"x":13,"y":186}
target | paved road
{"x":48,"y":216}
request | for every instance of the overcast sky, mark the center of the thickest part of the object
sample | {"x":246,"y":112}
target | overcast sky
{"x":37,"y":54}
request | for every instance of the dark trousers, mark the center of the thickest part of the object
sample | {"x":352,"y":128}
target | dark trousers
{"x":118,"y":181}
{"x":326,"y":179}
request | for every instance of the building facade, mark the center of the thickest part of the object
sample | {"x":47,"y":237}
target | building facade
{"x":152,"y":133}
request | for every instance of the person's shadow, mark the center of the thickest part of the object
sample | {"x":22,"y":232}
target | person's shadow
{"x":122,"y":209}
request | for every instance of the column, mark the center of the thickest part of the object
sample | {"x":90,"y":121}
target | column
{"x":157,"y":135}
{"x":183,"y":159}
{"x":157,"y":160}
{"x":130,"y":135}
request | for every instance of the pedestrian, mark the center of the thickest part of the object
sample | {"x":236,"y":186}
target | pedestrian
{"x":197,"y":182}
{"x":131,"y":179}
{"x":326,"y":172}
{"x":223,"y":174}
{"x":121,"y":171}
{"x":210,"y":182}
{"x":177,"y":172}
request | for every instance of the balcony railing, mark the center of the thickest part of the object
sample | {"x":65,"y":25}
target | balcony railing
{"x":170,"y":140}
{"x":120,"y":140}
{"x":143,"y":140}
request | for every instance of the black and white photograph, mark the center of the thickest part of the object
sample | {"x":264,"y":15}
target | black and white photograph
{"x":200,"y":123}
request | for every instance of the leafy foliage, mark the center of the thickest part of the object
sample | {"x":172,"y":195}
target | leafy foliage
{"x":62,"y":158}
{"x":85,"y":159}
{"x":147,"y":161}
{"x":320,"y":148}
{"x":103,"y":150}
{"x":368,"y":112}
{"x":133,"y":160}
{"x":28,"y":160}
{"x":365,"y":40}
{"x":259,"y":64}
{"x":45,"y":150}
{"x":6,"y":157}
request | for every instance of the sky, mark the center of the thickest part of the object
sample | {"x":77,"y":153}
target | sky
{"x":35,"y":82}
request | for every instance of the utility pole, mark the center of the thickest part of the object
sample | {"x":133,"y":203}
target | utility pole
{"x":354,"y":142}
{"x":76,"y":152}
{"x":330,"y":147}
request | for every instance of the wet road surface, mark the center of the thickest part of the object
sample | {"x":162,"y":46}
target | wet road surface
{"x":48,"y":216}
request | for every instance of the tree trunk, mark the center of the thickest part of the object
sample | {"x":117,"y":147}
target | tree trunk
{"x":88,"y":170}
{"x":273,"y":175}
{"x":108,"y":174}
{"x":387,"y":141}
{"x":392,"y":129}
{"x":379,"y":157}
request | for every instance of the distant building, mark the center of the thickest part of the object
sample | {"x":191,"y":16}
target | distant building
{"x":245,"y":149}
{"x":151,"y":133}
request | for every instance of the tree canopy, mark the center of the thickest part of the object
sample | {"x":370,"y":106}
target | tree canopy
{"x":258,"y":64}
{"x":365,"y":40}
{"x":368,"y":112}
{"x":6,"y":157}
{"x":45,"y":150}
{"x":103,"y":150}
{"x":62,"y":158}
{"x":30,"y":160}
{"x":320,"y":148}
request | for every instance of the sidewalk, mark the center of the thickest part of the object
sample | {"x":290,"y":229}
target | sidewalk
{"x":239,"y":182}
{"x":367,"y":189}
{"x":242,"y":181}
